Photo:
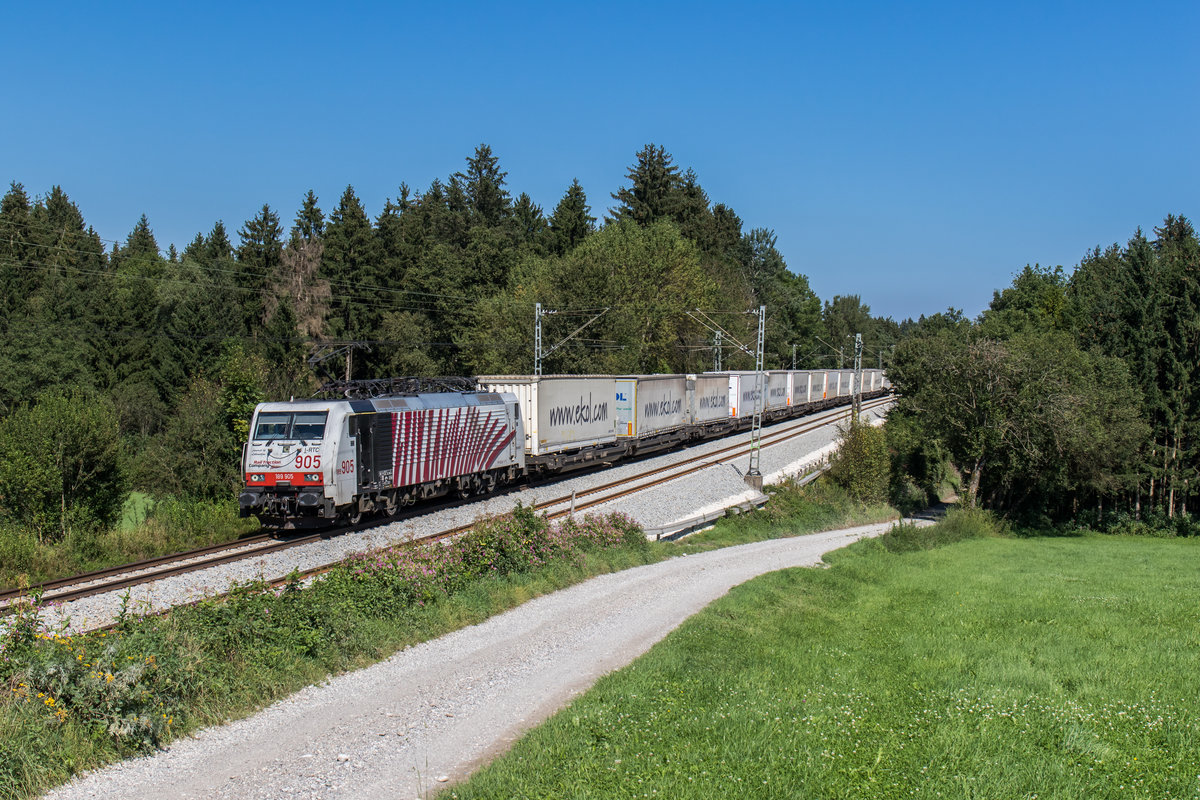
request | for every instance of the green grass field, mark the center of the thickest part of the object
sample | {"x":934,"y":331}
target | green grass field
{"x":991,"y":668}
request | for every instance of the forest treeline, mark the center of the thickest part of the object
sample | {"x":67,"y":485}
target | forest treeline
{"x":126,"y":367}
{"x":162,"y":354}
{"x":1074,"y":396}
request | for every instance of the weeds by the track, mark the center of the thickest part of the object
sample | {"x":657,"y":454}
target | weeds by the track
{"x":995,"y":667}
{"x":149,"y":529}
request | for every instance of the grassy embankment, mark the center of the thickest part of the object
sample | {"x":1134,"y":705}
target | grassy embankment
{"x":73,"y":703}
{"x":995,"y":667}
{"x":147,"y":529}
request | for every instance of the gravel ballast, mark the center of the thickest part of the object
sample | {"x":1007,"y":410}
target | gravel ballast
{"x":438,"y":710}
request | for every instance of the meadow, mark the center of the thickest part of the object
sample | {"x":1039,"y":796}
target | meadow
{"x":915,"y":666}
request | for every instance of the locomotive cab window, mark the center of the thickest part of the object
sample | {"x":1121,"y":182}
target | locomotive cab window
{"x":272,"y":425}
{"x":309,"y":425}
{"x":305,"y":425}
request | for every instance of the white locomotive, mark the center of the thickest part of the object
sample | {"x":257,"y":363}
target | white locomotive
{"x":320,"y":461}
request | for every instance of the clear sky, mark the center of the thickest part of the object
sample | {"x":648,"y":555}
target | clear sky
{"x":917,"y":154}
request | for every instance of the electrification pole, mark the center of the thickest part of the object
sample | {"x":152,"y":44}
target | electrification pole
{"x":793,"y":358}
{"x":537,"y":339}
{"x":753,"y":476}
{"x":538,"y":313}
{"x":717,"y":354}
{"x":858,"y":354}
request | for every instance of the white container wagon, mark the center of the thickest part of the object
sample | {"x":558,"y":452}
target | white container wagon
{"x":709,"y":396}
{"x":777,"y":384}
{"x":807,"y":386}
{"x":741,"y":394}
{"x":569,"y":420}
{"x":652,"y":409}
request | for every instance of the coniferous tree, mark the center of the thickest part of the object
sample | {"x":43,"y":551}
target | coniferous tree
{"x":350,"y":262}
{"x":140,"y":243}
{"x":196,"y":249}
{"x":654,"y":191}
{"x":259,"y":257}
{"x":572,"y":220}
{"x":217,"y":246}
{"x":310,"y":222}
{"x":530,"y":223}
{"x":483,"y":187}
{"x":693,"y":214}
{"x":15,"y":222}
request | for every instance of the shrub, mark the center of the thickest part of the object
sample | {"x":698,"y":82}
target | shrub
{"x":1151,"y":523}
{"x":59,"y":463}
{"x":958,"y":524}
{"x":862,"y":465}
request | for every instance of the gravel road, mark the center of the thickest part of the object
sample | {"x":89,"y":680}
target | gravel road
{"x":440,"y":709}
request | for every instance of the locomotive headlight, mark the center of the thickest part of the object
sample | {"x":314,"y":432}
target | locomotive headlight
{"x":257,"y":477}
{"x":312,"y":477}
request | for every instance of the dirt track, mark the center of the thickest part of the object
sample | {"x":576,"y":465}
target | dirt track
{"x":440,"y":709}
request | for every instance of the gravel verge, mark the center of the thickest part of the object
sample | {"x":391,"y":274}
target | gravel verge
{"x":436,"y":711}
{"x":715,"y":487}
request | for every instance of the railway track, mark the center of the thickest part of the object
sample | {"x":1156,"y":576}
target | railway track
{"x":129,"y":575}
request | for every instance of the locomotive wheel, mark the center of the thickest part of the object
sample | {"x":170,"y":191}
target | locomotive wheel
{"x":391,"y":504}
{"x":354,"y":515}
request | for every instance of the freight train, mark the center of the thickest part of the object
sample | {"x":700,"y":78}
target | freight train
{"x":317,"y":462}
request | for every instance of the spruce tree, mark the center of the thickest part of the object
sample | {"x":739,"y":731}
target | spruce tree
{"x":350,"y":263}
{"x":16,"y":279}
{"x":259,"y":257}
{"x":483,"y":186}
{"x":572,"y":220}
{"x":310,"y":222}
{"x":530,"y":223}
{"x":654,"y":191}
{"x":217,"y":246}
{"x":140,"y":242}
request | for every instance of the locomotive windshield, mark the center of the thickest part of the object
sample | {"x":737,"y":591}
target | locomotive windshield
{"x":306,"y":425}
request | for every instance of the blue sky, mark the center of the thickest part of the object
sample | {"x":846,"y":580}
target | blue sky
{"x":915,"y":154}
